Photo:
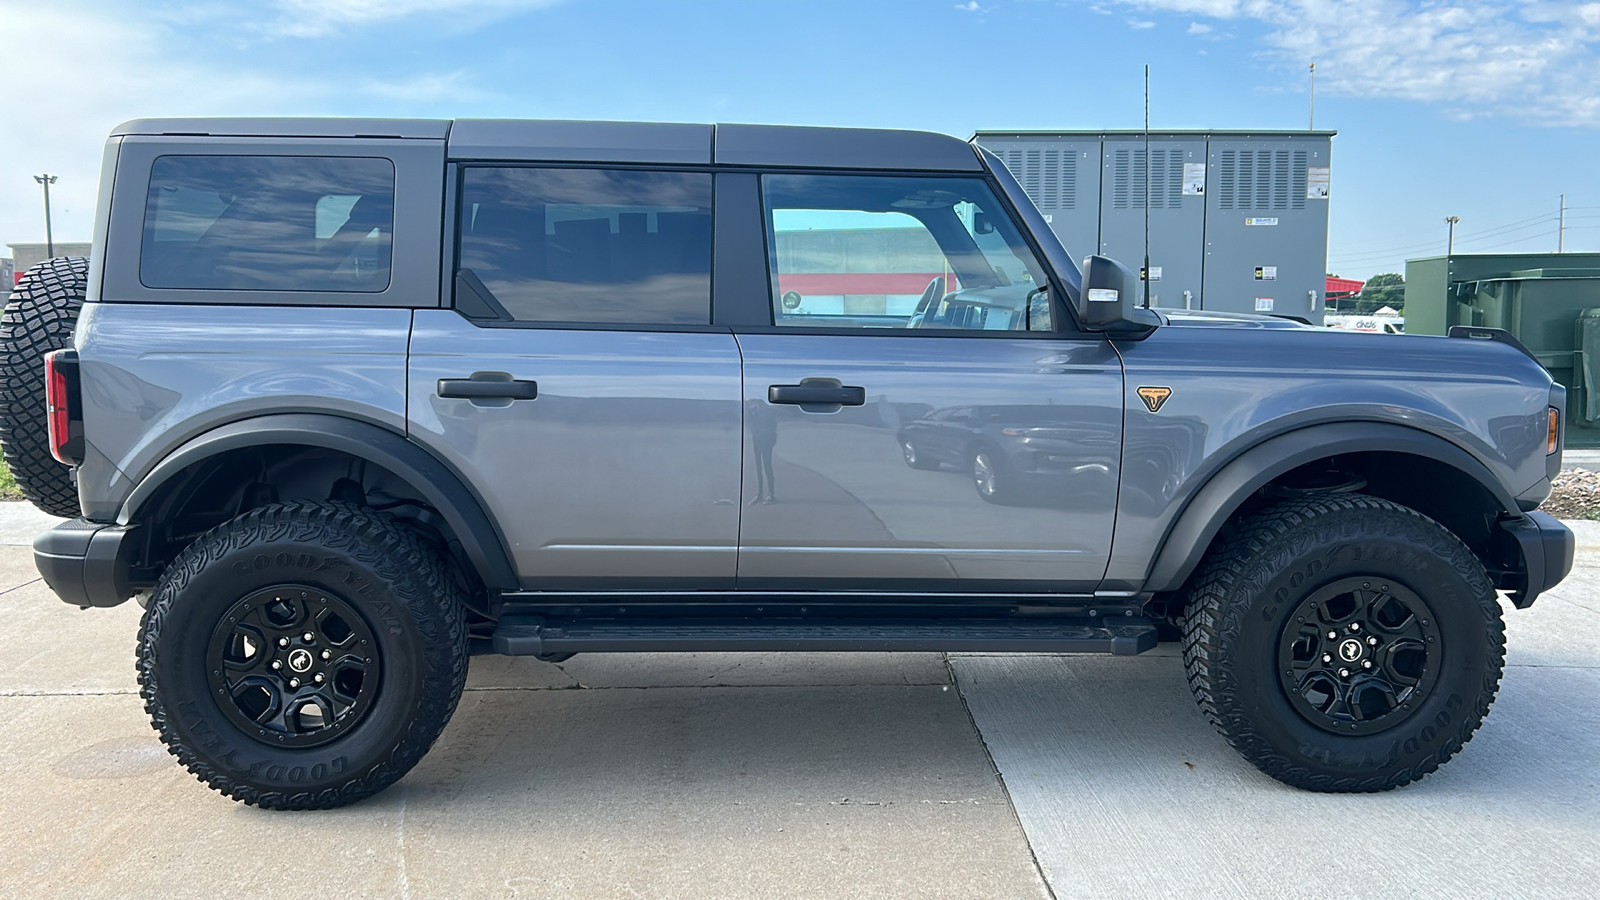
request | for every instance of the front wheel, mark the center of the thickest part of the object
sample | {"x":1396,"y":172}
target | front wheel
{"x":304,"y":655}
{"x":994,"y":481}
{"x":916,"y":459}
{"x":1344,"y":643}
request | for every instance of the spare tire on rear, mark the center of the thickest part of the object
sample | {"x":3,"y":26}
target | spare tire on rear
{"x":39,"y":318}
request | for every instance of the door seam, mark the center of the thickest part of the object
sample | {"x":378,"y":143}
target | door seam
{"x":738,"y":499}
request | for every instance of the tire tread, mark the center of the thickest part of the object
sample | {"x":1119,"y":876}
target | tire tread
{"x":1245,"y":558}
{"x":39,"y":318}
{"x":421,"y":584}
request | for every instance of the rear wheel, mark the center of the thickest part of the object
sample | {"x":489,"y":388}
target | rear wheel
{"x":38,"y":319}
{"x":1344,"y":643}
{"x":304,"y":655}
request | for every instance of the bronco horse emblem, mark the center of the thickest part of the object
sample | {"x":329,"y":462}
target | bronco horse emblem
{"x":1153,"y":397}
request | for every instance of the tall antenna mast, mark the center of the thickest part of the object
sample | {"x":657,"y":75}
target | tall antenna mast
{"x":1145,"y":272}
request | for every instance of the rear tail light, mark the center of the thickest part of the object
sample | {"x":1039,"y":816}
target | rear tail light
{"x":1554,"y":439}
{"x":61,"y":404}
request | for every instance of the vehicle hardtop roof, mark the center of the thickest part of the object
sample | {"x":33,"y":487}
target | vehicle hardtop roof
{"x":553,"y":140}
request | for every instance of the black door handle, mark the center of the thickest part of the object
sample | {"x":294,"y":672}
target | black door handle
{"x":821,"y":394}
{"x":476,"y":389}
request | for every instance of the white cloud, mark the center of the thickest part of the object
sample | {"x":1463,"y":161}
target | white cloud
{"x":1531,"y":59}
{"x":1197,"y":28}
{"x":1140,"y":24}
{"x":316,"y":18}
{"x":122,"y":65}
{"x":971,"y":6}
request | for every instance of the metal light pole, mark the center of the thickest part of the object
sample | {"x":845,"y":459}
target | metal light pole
{"x":49,"y":239}
{"x":1450,"y":245}
{"x":1312,"y":124}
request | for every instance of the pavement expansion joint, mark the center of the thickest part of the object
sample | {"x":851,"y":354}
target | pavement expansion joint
{"x":1582,"y":606}
{"x":20,"y":586}
{"x":66,"y":692}
{"x":1005,"y":790}
{"x":577,"y":684}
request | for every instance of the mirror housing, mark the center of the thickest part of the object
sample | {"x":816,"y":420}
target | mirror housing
{"x":1109,"y":298}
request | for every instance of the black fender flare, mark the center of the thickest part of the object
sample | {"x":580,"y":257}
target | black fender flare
{"x":1211,"y":506}
{"x":462,"y":510}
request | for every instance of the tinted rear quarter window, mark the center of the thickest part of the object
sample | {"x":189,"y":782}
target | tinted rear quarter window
{"x":590,"y":245}
{"x":268,"y":223}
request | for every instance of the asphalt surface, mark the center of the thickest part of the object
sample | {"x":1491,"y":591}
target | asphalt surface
{"x":800,"y":775}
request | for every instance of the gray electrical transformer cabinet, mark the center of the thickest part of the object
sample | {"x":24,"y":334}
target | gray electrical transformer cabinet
{"x":1238,"y":219}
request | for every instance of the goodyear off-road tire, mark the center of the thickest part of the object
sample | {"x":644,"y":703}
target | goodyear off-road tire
{"x":39,"y":318}
{"x":1413,"y":663}
{"x":295,"y":591}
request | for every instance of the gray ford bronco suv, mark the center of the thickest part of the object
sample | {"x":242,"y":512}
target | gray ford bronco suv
{"x":343,"y":401}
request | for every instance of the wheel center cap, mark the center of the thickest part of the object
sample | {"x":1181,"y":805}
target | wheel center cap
{"x":1350,"y":650}
{"x":300,"y":659}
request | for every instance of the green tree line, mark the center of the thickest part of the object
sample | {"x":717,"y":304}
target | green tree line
{"x":1387,"y":289}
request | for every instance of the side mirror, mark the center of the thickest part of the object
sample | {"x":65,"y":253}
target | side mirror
{"x":1110,"y":297}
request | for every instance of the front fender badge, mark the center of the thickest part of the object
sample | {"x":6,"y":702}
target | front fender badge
{"x":1153,"y":397}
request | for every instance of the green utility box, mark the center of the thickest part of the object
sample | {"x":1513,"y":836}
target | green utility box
{"x":1542,"y":298}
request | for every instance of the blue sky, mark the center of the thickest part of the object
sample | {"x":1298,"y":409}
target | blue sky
{"x":1484,"y":109}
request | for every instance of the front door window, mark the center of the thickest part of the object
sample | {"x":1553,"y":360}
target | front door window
{"x":898,"y":252}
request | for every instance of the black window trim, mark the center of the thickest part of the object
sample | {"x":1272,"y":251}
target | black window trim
{"x":419,"y":173}
{"x":1065,"y":321}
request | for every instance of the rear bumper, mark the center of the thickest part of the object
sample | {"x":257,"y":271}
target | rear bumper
{"x":86,"y":563}
{"x":1547,"y":551}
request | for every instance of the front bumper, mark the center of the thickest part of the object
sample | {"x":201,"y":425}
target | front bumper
{"x":87,"y":563}
{"x":1547,"y":551}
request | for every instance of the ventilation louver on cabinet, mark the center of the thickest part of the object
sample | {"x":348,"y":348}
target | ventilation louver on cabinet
{"x":1128,"y":179}
{"x":1050,"y":177}
{"x":1261,"y":179}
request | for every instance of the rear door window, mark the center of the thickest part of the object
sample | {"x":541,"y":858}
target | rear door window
{"x":601,"y":246}
{"x":268,"y":223}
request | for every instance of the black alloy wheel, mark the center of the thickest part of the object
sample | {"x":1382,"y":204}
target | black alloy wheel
{"x":1341,"y":642}
{"x":1359,"y":655}
{"x":295,"y":664}
{"x":304,"y":655}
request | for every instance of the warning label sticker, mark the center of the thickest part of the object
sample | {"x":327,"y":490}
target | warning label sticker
{"x":1194,"y":179}
{"x":1317,"y":182}
{"x":1259,"y":221}
{"x":1155,"y":273}
{"x":1263,"y":304}
{"x":1266,"y":273}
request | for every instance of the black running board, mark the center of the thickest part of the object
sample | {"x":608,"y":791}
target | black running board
{"x":534,"y":636}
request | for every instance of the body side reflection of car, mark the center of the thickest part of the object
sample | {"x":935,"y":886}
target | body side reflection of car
{"x":1014,"y":453}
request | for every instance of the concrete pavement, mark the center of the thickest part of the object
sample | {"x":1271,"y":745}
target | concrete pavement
{"x":811,"y":775}
{"x":688,"y":775}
